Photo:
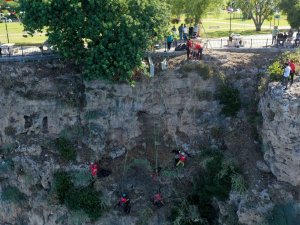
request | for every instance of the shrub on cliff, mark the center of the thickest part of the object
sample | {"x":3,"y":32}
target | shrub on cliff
{"x":77,"y":198}
{"x":218,"y":178}
{"x":13,"y":194}
{"x":229,"y":97}
{"x":65,"y":149}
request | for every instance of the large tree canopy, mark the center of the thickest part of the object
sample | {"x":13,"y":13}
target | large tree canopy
{"x":195,"y":8}
{"x":259,"y":10}
{"x":109,"y":37}
{"x":292,"y":9}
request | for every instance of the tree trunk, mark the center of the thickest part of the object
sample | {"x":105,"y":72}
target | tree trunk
{"x":258,"y":27}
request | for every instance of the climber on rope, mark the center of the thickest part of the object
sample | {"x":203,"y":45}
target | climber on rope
{"x":96,"y":171}
{"x":158,"y":200}
{"x":124,"y":202}
{"x":94,"y":168}
{"x":156,"y":173}
{"x":181,"y":157}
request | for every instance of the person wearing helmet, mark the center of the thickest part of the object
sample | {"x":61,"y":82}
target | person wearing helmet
{"x":125,"y":203}
{"x":181,"y":158}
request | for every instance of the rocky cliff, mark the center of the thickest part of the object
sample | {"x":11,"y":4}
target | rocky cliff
{"x":280,"y":133}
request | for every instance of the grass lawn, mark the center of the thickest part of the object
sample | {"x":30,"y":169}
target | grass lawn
{"x":215,"y":25}
{"x":15,"y":34}
{"x":218,"y":25}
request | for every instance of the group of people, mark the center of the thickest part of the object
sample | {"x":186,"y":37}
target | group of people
{"x":279,"y":38}
{"x":288,"y":73}
{"x":194,"y":49}
{"x":188,"y":32}
{"x":124,"y":201}
{"x":184,"y":32}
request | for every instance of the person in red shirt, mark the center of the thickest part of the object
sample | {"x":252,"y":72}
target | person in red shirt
{"x":181,"y":159}
{"x":189,"y":44}
{"x":293,"y":70}
{"x":125,"y":203}
{"x":198,"y":51}
{"x":94,"y":168}
{"x":157,"y":200}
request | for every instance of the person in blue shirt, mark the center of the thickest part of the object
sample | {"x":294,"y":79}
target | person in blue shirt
{"x":169,"y":41}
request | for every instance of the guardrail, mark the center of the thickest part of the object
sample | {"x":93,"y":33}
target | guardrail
{"x":20,"y":50}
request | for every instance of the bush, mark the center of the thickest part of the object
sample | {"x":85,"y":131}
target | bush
{"x":62,"y":185}
{"x":215,"y":182}
{"x":66,"y":149}
{"x":230,"y":99}
{"x":204,"y":95}
{"x":287,"y":214}
{"x":275,"y":71}
{"x":86,"y":199}
{"x":13,"y":194}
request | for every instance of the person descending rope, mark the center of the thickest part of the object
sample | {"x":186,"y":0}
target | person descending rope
{"x":97,"y":171}
{"x":124,"y":202}
{"x":94,"y":168}
{"x":181,"y":158}
{"x":158,"y":200}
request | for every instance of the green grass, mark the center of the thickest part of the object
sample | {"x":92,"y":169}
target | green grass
{"x":218,"y":25}
{"x":215,"y":25}
{"x":15,"y":34}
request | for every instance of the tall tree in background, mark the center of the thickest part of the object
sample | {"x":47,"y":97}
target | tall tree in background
{"x":196,"y":8}
{"x":108,"y":37}
{"x":258,"y":10}
{"x":292,"y":9}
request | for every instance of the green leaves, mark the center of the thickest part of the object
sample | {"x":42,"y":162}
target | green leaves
{"x":292,"y":9}
{"x":108,"y":37}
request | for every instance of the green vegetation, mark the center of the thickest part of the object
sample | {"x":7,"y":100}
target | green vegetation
{"x":62,"y":184}
{"x":195,"y":9}
{"x":65,"y":149}
{"x":109,"y":43}
{"x":230,"y":98}
{"x":218,"y":178}
{"x":201,"y":69}
{"x":275,"y":70}
{"x":258,"y":11}
{"x":13,"y":194}
{"x":285,"y":214}
{"x":292,"y":9}
{"x":78,"y":198}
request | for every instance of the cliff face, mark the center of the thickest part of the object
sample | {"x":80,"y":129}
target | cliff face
{"x":40,"y":102}
{"x":280,"y":133}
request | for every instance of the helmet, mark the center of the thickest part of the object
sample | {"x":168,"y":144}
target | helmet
{"x":124,"y":195}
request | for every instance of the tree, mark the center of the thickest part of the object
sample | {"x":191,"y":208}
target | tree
{"x":292,"y":9}
{"x":258,"y":10}
{"x":195,"y":8}
{"x":108,"y":37}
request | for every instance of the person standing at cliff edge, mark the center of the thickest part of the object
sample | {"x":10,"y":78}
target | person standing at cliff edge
{"x":293,"y":70}
{"x":286,"y":74}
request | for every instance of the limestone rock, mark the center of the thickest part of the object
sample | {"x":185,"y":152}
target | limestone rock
{"x":262,"y":166}
{"x":280,"y":131}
